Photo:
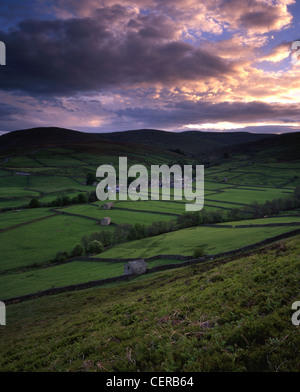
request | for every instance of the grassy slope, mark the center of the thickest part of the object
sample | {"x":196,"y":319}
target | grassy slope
{"x":12,"y":218}
{"x":233,"y":317}
{"x":118,"y":216}
{"x":34,"y":280}
{"x":185,"y":241}
{"x":40,"y":241}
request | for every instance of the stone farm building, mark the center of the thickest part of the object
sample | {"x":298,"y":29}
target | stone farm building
{"x":108,"y":206}
{"x":136,"y":267}
{"x":105,"y":221}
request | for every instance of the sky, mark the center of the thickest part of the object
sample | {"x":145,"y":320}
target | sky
{"x":175,"y":65}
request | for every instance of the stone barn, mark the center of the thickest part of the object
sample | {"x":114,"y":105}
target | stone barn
{"x":105,"y":221}
{"x":136,"y":267}
{"x":108,"y":206}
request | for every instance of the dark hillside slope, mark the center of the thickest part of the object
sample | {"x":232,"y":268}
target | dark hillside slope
{"x":190,"y":142}
{"x":37,"y":137}
{"x":285,"y":147}
{"x":24,"y":141}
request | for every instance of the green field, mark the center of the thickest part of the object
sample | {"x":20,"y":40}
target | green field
{"x":170,"y":207}
{"x":14,"y":203}
{"x":118,"y":216}
{"x":39,"y":242}
{"x":247,"y":196}
{"x":14,"y":217}
{"x":51,"y":183}
{"x":185,"y":241}
{"x":21,"y":162}
{"x":32,"y":281}
{"x":266,"y":221}
{"x":270,"y":174}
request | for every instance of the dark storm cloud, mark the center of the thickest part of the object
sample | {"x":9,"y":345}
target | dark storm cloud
{"x":204,"y":112}
{"x":90,"y":54}
{"x":260,"y":18}
{"x":256,"y":15}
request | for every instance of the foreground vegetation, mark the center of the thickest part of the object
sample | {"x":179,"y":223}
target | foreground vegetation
{"x":208,"y":317}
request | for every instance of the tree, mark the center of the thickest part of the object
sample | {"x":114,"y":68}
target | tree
{"x":297,"y":192}
{"x":85,"y":241}
{"x":95,"y":247}
{"x":90,"y":178}
{"x":137,"y":232}
{"x":82,"y":198}
{"x":199,"y":251}
{"x":34,"y":203}
{"x":188,"y":219}
{"x":77,"y":251}
{"x":92,"y":196}
{"x":61,"y":256}
{"x":121,"y":232}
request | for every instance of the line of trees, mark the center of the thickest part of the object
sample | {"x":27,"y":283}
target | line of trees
{"x":65,"y":200}
{"x":253,"y":211}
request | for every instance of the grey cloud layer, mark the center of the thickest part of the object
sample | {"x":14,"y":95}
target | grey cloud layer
{"x":89,"y":54}
{"x":183,"y":113}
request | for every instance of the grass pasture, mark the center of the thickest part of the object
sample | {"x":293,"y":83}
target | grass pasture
{"x":51,"y":183}
{"x":39,"y":242}
{"x":11,"y":218}
{"x":154,"y":206}
{"x":32,"y":281}
{"x":21,"y":162}
{"x":247,"y":196}
{"x":186,"y":240}
{"x":118,"y":216}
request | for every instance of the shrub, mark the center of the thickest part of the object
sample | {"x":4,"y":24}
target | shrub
{"x":77,"y":251}
{"x":95,"y":247}
{"x":199,"y":251}
{"x":34,"y":203}
{"x":82,"y":198}
{"x":61,"y":256}
{"x":90,"y":178}
{"x":85,"y":241}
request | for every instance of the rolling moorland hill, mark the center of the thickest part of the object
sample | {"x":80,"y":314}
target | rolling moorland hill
{"x":190,"y":142}
{"x":43,"y":138}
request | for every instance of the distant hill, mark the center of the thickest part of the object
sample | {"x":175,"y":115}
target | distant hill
{"x":36,"y":137}
{"x":285,"y":147}
{"x":189,"y":142}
